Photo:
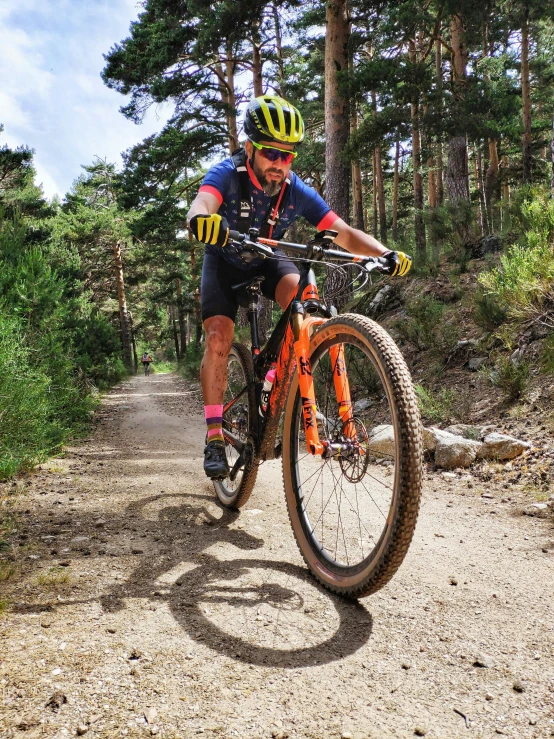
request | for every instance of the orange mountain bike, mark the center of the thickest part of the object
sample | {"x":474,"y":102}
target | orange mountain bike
{"x":350,"y":439}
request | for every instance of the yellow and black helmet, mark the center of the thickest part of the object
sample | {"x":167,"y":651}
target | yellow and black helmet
{"x":270,"y":118}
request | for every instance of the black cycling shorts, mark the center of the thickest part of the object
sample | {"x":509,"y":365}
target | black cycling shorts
{"x":218,"y":275}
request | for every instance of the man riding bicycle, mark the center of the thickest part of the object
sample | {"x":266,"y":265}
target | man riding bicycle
{"x":256,"y":188}
{"x":146,"y":359}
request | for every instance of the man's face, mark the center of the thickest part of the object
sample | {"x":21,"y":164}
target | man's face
{"x":271,"y":175}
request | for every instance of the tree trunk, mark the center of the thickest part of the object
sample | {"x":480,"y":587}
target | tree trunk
{"x":483,"y":219}
{"x":357,"y":199}
{"x":181,"y":317}
{"x":123,"y":314}
{"x":357,"y":196}
{"x":431,"y":182}
{"x":526,"y":101}
{"x":439,"y":165}
{"x":336,"y":109}
{"x":505,"y":209}
{"x":133,"y":342}
{"x":279,"y":52}
{"x":491,"y":181}
{"x":419,"y":225}
{"x":381,"y":196}
{"x":457,"y":183}
{"x":257,"y":60}
{"x":232,"y":99}
{"x":198,"y":317}
{"x":196,"y":298}
{"x":226,"y":84}
{"x":374,"y":195}
{"x":173,"y":320}
{"x":395,"y":187}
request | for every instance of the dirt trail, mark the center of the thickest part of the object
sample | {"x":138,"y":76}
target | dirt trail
{"x":139,"y":607}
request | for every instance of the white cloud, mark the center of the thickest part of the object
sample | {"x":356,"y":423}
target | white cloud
{"x":52,"y":97}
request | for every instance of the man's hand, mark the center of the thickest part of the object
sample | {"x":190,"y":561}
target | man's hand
{"x":210,"y":229}
{"x":399,"y":262}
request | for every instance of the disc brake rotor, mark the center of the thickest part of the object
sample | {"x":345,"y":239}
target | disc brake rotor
{"x":354,"y":463}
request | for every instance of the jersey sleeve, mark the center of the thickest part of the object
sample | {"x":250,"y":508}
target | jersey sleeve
{"x":313,"y":208}
{"x":217,"y":180}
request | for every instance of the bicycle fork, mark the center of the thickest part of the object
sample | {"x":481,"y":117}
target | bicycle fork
{"x":326,"y":448}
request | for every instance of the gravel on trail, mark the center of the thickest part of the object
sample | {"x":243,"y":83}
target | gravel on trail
{"x":136,"y":606}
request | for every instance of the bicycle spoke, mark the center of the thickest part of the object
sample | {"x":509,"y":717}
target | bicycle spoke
{"x":345,"y":500}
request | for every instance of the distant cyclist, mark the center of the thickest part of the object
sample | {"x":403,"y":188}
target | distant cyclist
{"x":146,"y":359}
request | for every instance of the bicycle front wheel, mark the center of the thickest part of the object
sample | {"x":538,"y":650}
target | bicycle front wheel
{"x":238,"y":422}
{"x":354,"y":513}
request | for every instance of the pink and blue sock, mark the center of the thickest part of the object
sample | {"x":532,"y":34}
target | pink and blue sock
{"x":214,"y":421}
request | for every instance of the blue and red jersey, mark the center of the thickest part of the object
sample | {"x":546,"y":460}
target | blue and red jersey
{"x":222,"y":181}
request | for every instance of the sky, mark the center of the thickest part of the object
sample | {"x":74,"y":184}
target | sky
{"x":52,"y":97}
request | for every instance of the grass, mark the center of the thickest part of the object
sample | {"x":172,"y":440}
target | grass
{"x":54,"y":577}
{"x":163,"y":367}
{"x":7,"y":570}
{"x":436,"y":407}
{"x":518,"y":412}
{"x":511,"y":377}
{"x":3,"y":606}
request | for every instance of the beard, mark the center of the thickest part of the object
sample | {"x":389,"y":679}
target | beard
{"x":270,"y":187}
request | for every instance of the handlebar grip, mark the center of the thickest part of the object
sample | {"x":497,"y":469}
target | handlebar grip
{"x":236,"y":235}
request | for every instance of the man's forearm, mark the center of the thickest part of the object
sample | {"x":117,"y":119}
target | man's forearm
{"x":203,"y":204}
{"x":356,"y":241}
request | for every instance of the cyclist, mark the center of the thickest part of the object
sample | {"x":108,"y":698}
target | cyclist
{"x":146,"y":359}
{"x":255,"y":187}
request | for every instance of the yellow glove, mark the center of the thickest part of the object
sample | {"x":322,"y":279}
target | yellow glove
{"x":210,"y":229}
{"x":399,"y":262}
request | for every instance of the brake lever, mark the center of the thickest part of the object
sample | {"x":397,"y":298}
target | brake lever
{"x":370,"y":264}
{"x":248,"y":249}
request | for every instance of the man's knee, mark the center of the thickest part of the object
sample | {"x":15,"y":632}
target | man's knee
{"x":219,"y":335}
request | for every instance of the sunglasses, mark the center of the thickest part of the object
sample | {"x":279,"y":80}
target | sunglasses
{"x":273,"y":154}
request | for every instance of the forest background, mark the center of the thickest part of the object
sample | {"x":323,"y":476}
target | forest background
{"x":429,"y":124}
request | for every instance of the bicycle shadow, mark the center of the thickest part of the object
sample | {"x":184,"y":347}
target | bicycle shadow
{"x":295,"y":634}
{"x":258,"y":611}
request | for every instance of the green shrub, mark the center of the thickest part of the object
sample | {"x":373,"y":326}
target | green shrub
{"x":522,"y":285}
{"x":163,"y":366}
{"x":488,"y":311}
{"x":511,"y":377}
{"x":426,"y":328}
{"x":24,"y":406}
{"x":189,"y":366}
{"x":436,"y":407}
{"x":547,"y":357}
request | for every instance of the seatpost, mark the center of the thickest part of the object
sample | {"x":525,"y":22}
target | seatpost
{"x":253,"y":320}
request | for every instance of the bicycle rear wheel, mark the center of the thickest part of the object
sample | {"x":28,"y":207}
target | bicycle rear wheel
{"x":354,"y":514}
{"x":238,"y":421}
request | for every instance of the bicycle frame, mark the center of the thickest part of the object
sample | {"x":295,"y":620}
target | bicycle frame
{"x":289,"y":346}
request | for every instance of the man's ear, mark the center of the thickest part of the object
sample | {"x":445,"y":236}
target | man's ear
{"x":248,"y":148}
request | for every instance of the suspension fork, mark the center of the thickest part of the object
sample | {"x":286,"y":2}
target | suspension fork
{"x":342,"y":389}
{"x":302,"y":330}
{"x":301,"y":345}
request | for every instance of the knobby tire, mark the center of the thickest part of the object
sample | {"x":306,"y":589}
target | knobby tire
{"x":235,"y":494}
{"x":382,"y":553}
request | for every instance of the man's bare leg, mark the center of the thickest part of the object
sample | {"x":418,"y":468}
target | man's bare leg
{"x":219,"y":337}
{"x":286,"y":289}
{"x":213,"y":371}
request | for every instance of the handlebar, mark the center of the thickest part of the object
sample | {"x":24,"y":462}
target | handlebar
{"x":316,"y":250}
